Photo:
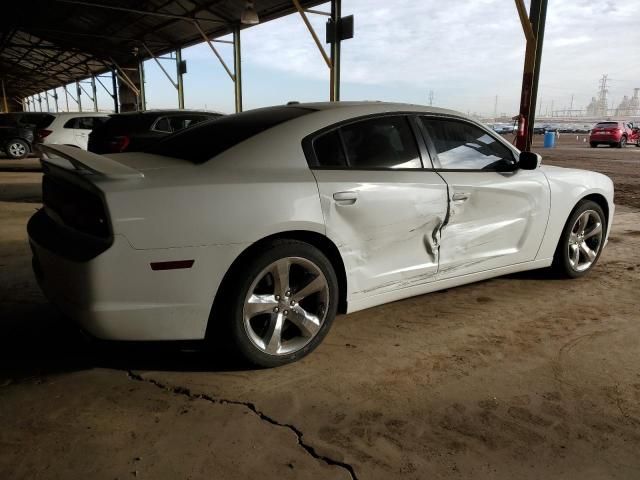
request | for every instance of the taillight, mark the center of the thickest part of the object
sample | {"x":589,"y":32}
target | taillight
{"x":118,"y":144}
{"x":42,"y":133}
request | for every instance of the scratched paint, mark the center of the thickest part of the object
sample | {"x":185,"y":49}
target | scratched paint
{"x":500,"y":222}
{"x":389,"y":236}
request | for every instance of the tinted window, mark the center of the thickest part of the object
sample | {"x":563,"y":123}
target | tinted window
{"x":179,"y":122}
{"x":162,"y":125}
{"x":385,"y":142}
{"x":40,"y":120}
{"x":328,"y":150}
{"x":128,"y":123}
{"x":208,"y":139}
{"x":607,"y":124}
{"x":71,"y":123}
{"x":83,"y":123}
{"x":464,"y":146}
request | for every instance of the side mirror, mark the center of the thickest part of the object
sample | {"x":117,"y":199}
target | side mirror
{"x":529,"y":161}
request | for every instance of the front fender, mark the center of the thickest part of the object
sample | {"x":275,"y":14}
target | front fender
{"x":568,"y":186}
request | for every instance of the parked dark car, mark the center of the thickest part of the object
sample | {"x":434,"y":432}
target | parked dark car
{"x":135,"y":131}
{"x":17,"y":131}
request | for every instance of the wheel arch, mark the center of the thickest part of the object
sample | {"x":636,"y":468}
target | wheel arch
{"x":321,"y":242}
{"x":600,"y":200}
{"x":23,"y":140}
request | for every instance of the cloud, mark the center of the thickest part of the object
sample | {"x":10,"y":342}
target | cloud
{"x":467,"y":52}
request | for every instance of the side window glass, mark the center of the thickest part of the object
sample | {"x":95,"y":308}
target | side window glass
{"x":328,"y":149}
{"x":178,"y":122}
{"x":85,"y":123}
{"x":385,"y":142}
{"x":162,"y":125}
{"x":72,"y":123}
{"x":464,"y":146}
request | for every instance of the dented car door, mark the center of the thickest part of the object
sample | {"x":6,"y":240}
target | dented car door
{"x":381,"y":208}
{"x":497,"y":212}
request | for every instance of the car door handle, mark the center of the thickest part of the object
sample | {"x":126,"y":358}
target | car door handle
{"x":345,"y":198}
{"x":460,"y":197}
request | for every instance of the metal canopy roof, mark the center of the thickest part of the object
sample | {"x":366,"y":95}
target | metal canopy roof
{"x":48,"y":43}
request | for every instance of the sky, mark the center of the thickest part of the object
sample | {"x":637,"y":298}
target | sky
{"x":467,"y":53}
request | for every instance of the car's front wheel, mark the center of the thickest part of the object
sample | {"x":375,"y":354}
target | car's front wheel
{"x":581,"y":241}
{"x":622,"y":143}
{"x":17,"y":148}
{"x":282,"y":303}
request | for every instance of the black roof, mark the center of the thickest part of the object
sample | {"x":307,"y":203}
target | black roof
{"x":48,"y":43}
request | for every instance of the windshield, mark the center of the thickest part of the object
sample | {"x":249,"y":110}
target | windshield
{"x":208,"y":139}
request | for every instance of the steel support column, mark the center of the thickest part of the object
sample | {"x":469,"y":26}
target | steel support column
{"x":237,"y":68}
{"x":46,"y":100}
{"x":66,"y":96}
{"x":533,"y":28}
{"x":79,"y":95}
{"x":180,"y":82}
{"x":114,"y":82}
{"x":4,"y":97}
{"x":94,"y":92}
{"x":336,"y":15}
{"x":143,"y":96}
{"x":39,"y":101}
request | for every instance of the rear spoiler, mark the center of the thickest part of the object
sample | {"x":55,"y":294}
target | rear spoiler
{"x":85,"y":162}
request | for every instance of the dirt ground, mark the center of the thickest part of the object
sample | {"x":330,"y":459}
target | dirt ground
{"x":525,"y":377}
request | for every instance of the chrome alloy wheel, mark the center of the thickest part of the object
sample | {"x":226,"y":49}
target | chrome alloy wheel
{"x":585,"y":240}
{"x":17,"y":150}
{"x":286,"y":306}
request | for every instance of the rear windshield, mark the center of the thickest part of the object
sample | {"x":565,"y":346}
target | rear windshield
{"x":208,"y":139}
{"x":606,"y":124}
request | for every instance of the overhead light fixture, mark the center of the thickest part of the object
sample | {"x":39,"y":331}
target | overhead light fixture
{"x":249,"y":15}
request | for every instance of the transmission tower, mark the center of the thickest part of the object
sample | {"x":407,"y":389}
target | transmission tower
{"x":602,"y":106}
{"x":430,"y":97}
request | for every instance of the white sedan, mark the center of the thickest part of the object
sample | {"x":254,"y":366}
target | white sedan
{"x":257,"y":228}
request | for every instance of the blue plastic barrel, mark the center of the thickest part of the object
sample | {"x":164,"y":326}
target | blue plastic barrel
{"x":549,"y":139}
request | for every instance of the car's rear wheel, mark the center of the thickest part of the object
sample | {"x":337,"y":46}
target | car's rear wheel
{"x":282,"y":303}
{"x":622,"y":143}
{"x":17,"y":148}
{"x":593,"y":144}
{"x":581,"y":242}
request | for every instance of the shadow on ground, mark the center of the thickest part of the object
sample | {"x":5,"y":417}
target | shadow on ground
{"x":36,"y":340}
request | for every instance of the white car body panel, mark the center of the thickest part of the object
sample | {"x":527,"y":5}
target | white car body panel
{"x":496,"y":219}
{"x":388,"y":237}
{"x":405,"y":234}
{"x":61,"y":135}
{"x":568,"y":186}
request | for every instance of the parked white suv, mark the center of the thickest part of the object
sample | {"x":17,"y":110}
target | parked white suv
{"x":71,"y":128}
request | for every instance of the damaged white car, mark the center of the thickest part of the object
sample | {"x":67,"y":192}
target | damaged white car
{"x":257,"y":228}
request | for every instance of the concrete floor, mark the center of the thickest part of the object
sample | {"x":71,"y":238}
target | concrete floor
{"x":519,"y":377}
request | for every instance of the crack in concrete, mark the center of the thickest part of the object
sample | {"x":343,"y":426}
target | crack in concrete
{"x":252,"y":407}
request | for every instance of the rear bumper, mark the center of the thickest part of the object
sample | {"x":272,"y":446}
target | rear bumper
{"x":117,"y":296}
{"x":604,"y":138}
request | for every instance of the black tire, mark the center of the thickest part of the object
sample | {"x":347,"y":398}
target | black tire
{"x":622,"y":143}
{"x":230,"y":317}
{"x":17,"y":148}
{"x":593,"y":144}
{"x":561,"y":262}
